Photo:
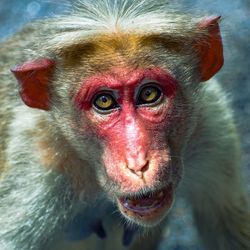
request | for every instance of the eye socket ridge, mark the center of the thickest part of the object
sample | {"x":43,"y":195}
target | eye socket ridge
{"x":104,"y":102}
{"x":149,"y":94}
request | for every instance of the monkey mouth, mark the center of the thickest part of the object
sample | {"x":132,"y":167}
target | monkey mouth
{"x":147,"y":209}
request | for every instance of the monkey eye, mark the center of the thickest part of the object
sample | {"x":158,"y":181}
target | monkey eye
{"x":149,"y":94}
{"x":104,"y":102}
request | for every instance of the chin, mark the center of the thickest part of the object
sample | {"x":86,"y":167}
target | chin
{"x":147,"y":208}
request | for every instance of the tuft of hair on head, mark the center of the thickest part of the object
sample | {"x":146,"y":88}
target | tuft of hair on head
{"x":89,"y":18}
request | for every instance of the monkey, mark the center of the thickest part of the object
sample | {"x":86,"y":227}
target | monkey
{"x":111,"y":112}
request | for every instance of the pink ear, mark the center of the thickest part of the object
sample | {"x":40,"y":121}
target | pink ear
{"x":211,"y":49}
{"x":33,"y":78}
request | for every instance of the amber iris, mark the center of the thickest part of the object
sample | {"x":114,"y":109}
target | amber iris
{"x":149,"y":95}
{"x":104,"y":101}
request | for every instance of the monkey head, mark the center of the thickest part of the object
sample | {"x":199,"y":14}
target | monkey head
{"x":127,"y":113}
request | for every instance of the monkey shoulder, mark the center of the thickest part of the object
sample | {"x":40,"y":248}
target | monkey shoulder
{"x":215,"y":137}
{"x":214,"y":102}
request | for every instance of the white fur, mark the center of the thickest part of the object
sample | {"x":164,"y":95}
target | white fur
{"x":111,"y":16}
{"x":34,"y":200}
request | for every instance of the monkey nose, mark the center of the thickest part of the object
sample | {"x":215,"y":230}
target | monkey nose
{"x":138,"y":167}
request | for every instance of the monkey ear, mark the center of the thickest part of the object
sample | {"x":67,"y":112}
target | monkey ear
{"x":33,"y":78}
{"x":210,"y":50}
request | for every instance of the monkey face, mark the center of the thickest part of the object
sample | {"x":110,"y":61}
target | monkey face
{"x":131,"y":114}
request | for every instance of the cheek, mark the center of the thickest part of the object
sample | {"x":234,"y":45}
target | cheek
{"x":160,"y":117}
{"x":103,"y":127}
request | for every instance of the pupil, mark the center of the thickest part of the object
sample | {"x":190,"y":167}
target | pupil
{"x":148,"y":93}
{"x":104,"y":99}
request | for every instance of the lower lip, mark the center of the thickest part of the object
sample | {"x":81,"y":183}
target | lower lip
{"x":159,"y":207}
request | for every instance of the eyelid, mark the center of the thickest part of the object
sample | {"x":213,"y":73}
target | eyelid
{"x":112,"y":92}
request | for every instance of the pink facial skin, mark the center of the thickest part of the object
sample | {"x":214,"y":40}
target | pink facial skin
{"x":135,"y":149}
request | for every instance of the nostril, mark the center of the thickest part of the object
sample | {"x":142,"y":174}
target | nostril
{"x":145,"y":167}
{"x":139,"y":170}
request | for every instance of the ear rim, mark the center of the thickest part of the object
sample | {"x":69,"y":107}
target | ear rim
{"x":210,"y":48}
{"x":33,"y":78}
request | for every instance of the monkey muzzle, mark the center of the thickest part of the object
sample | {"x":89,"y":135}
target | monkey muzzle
{"x":148,"y":208}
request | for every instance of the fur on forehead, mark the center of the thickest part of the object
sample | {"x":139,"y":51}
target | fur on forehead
{"x":90,"y":18}
{"x":119,"y":47}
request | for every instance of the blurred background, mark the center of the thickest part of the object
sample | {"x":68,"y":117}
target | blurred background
{"x":235,"y":77}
